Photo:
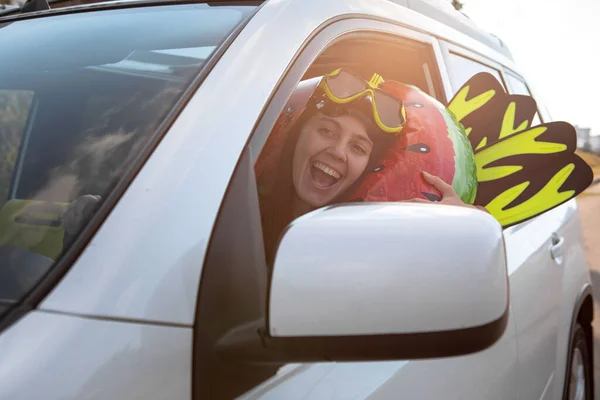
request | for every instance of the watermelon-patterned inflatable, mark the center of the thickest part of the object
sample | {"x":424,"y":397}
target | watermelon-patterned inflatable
{"x":433,"y":141}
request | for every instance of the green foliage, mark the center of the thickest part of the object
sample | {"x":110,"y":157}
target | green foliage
{"x":14,"y":108}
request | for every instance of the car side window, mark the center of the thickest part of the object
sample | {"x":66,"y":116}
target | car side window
{"x":461,"y":69}
{"x":518,"y":86}
{"x":260,"y":199}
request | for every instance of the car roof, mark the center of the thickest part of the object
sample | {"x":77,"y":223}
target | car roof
{"x":444,"y":12}
{"x":439,"y":10}
{"x":13,"y":11}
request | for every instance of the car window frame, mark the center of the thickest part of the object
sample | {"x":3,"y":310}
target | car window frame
{"x":448,"y":48}
{"x":541,"y":112}
{"x":305,"y":56}
{"x":313,"y":48}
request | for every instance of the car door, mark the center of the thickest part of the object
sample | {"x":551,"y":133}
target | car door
{"x":542,"y":319}
{"x":565,"y":250}
{"x":535,"y":274}
{"x":233,"y":283}
{"x":536,"y":271}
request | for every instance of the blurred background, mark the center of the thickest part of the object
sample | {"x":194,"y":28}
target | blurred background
{"x":555,"y":44}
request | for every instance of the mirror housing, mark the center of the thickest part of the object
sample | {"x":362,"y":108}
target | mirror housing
{"x":382,"y":281}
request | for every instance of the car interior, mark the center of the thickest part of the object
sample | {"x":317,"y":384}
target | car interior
{"x":399,"y":60}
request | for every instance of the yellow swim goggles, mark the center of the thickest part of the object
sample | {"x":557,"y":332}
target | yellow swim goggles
{"x":343,"y":87}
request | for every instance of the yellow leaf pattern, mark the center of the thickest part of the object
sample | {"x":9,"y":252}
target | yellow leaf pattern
{"x":522,"y":170}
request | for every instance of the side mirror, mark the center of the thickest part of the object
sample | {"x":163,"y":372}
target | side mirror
{"x":382,"y":281}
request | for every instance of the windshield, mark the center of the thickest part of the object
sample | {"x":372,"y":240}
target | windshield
{"x":80,"y":96}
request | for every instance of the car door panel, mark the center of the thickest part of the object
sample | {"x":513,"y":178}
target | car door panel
{"x":327,"y":381}
{"x":535,"y":281}
{"x":55,"y":356}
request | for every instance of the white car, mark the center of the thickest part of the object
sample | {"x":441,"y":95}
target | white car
{"x":156,"y":113}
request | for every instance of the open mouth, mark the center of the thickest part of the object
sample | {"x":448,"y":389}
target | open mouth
{"x":323,"y":175}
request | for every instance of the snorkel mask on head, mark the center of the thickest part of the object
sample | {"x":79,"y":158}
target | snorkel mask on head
{"x":343,"y":91}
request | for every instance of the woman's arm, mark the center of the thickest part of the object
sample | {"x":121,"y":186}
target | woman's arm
{"x":449,"y":195}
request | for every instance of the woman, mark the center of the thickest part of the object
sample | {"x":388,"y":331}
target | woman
{"x":322,"y":148}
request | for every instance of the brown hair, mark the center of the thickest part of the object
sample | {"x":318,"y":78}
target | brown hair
{"x":276,"y":188}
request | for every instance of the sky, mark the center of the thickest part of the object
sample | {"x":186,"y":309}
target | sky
{"x":556,"y":44}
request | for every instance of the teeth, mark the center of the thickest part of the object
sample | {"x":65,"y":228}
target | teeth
{"x":327,"y":170}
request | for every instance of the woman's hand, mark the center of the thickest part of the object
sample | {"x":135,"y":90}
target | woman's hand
{"x":449,"y":195}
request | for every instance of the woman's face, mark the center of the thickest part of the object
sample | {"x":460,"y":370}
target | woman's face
{"x":330,"y":155}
